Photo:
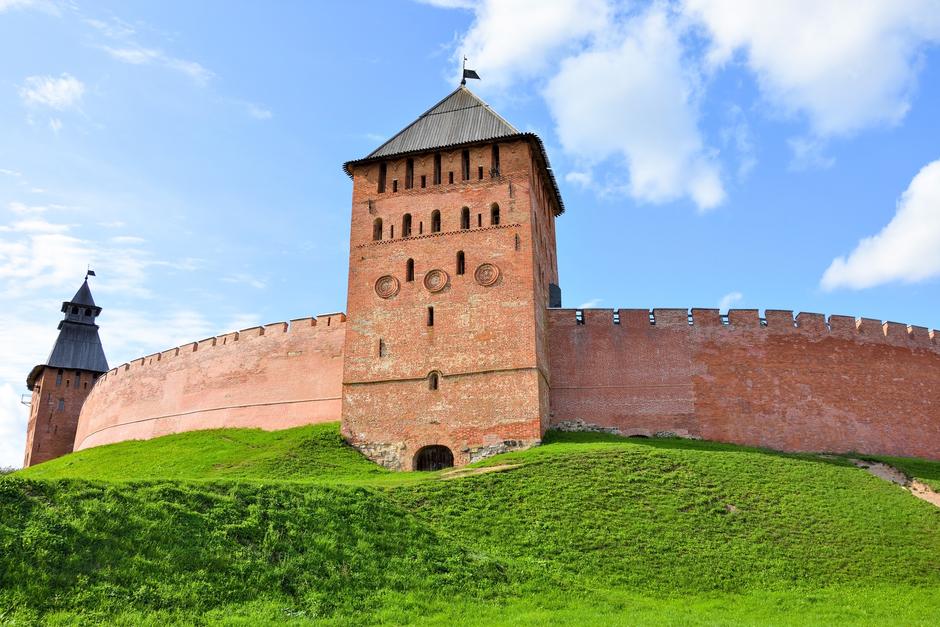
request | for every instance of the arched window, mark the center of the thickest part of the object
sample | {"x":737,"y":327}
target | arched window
{"x":461,"y":262}
{"x":410,"y":270}
{"x":437,"y":168}
{"x":518,"y":242}
{"x":465,"y":218}
{"x":377,"y":230}
{"x":494,"y":214}
{"x":88,"y":312}
{"x":494,"y":163}
{"x":409,"y":173}
{"x":406,"y":225}
{"x":58,"y":378}
{"x":434,"y":381}
{"x":436,"y":221}
{"x":430,"y":316}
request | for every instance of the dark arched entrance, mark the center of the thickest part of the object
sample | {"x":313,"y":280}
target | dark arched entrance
{"x":434,"y":457}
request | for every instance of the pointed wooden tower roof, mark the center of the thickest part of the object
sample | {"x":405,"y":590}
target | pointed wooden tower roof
{"x":460,"y":119}
{"x":78,"y":346}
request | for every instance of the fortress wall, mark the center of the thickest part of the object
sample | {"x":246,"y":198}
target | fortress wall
{"x":800,"y":383}
{"x":274,"y":377}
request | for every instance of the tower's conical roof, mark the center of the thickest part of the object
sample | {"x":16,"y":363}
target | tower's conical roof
{"x":78,"y":346}
{"x":83,"y":296}
{"x":460,"y":119}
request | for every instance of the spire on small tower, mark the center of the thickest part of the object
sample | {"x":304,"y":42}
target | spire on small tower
{"x":78,"y":346}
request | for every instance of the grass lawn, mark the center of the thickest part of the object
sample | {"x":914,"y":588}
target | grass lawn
{"x":249,"y":527}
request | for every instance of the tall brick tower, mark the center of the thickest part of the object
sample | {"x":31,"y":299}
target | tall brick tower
{"x":452,"y":266}
{"x":61,"y":384}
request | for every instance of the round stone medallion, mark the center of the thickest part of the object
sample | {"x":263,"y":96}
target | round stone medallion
{"x":487,"y":274}
{"x":386,"y":286}
{"x":435,"y":280}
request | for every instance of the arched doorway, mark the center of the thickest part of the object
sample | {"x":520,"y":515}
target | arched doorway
{"x":434,"y":457}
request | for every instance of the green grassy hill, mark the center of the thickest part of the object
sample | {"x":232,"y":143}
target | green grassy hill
{"x":248,"y":527}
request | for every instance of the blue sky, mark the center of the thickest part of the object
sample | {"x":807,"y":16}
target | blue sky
{"x":709,"y":153}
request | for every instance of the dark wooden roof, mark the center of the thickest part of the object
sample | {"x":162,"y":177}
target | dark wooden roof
{"x":460,"y":119}
{"x":78,"y":346}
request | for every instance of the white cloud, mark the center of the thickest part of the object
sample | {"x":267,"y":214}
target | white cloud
{"x":907,"y":249}
{"x":258,"y":112}
{"x":42,"y":5}
{"x":729,"y":299}
{"x":451,"y":4}
{"x":246,"y":279}
{"x":138,"y":55}
{"x":584,"y":179}
{"x":23,"y":209}
{"x":846,"y":66}
{"x":12,"y":173}
{"x":60,"y":93}
{"x":809,"y":153}
{"x":591,"y":304}
{"x":55,"y":124}
{"x":512,"y":39}
{"x":634,"y":100}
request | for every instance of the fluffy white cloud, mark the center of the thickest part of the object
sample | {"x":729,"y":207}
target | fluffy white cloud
{"x":846,"y":65}
{"x":907,"y":249}
{"x":635,"y":100}
{"x":59,"y":93}
{"x":512,"y":39}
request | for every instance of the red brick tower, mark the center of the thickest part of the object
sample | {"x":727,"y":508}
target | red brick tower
{"x":62,"y":383}
{"x":452,"y":266}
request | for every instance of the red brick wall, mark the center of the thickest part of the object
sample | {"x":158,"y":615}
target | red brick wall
{"x":273,"y":377}
{"x":485,"y":339}
{"x":50,"y":432}
{"x":794,"y":385}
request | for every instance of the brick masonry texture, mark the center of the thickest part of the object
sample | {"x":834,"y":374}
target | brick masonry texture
{"x":273,"y":377}
{"x":800,"y":384}
{"x":508,"y":367}
{"x":58,"y":397}
{"x":487,"y":345}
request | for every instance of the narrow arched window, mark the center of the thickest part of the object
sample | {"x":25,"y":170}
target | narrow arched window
{"x":436,"y":221}
{"x":391,"y":231}
{"x":383,"y":174}
{"x":465,"y":218}
{"x":494,"y":164}
{"x":433,"y":381}
{"x":410,"y":270}
{"x":58,"y":378}
{"x":437,"y":168}
{"x":406,"y":225}
{"x":518,"y":242}
{"x":377,"y":230}
{"x":409,"y":173}
{"x":461,"y":262}
{"x":494,"y":214}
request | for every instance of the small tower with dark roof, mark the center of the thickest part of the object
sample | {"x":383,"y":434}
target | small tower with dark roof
{"x":61,"y":384}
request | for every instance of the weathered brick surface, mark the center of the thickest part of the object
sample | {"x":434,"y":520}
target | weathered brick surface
{"x":58,"y":396}
{"x":488,"y":342}
{"x":271,"y":377}
{"x":794,"y":388}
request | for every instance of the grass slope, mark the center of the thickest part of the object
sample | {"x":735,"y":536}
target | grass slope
{"x":248,"y":527}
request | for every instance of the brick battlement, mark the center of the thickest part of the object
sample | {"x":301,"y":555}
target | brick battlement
{"x":273,"y":376}
{"x":789,"y":382}
{"x":295,"y":326}
{"x":773,"y":321}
